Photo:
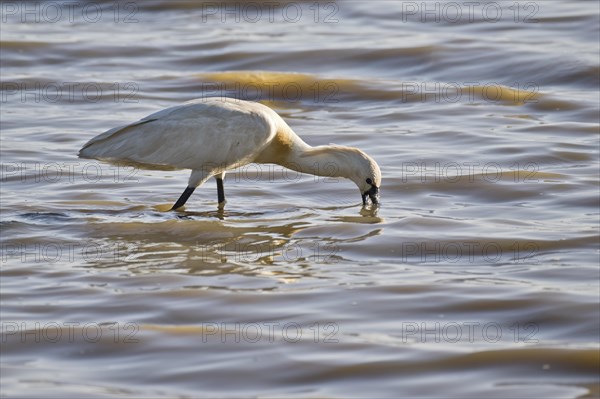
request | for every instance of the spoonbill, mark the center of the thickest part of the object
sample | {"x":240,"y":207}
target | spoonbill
{"x":215,"y":134}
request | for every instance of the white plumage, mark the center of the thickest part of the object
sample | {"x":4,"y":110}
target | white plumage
{"x":216,"y":134}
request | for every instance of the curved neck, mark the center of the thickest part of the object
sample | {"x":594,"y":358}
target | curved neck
{"x":290,"y":151}
{"x":325,"y":160}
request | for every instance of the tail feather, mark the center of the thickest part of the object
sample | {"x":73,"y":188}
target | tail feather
{"x":90,"y":150}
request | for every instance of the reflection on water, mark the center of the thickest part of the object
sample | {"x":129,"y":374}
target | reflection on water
{"x":477,"y":276}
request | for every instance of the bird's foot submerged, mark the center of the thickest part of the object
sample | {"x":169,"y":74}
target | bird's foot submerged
{"x":183,"y":198}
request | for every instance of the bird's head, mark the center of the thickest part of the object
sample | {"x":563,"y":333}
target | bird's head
{"x":351,"y":163}
{"x":366,"y":175}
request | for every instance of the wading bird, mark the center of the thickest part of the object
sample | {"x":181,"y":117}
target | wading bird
{"x":213,"y":135}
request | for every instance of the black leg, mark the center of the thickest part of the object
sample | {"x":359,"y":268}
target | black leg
{"x":220,"y":191}
{"x":184,"y":197}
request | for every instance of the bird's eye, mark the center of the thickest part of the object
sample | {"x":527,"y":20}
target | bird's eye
{"x":369,"y":181}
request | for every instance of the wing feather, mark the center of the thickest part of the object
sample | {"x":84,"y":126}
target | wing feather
{"x":195,"y":135}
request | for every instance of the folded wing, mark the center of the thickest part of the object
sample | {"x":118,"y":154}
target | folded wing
{"x":196,"y":135}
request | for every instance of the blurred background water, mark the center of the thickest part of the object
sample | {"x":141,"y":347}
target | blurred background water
{"x":478,"y":276}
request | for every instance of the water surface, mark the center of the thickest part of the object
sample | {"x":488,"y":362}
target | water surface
{"x":478,"y":276}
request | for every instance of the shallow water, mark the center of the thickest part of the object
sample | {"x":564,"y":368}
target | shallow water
{"x":478,"y":276}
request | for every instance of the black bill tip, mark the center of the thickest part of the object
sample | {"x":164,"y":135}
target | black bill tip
{"x":372,"y":194}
